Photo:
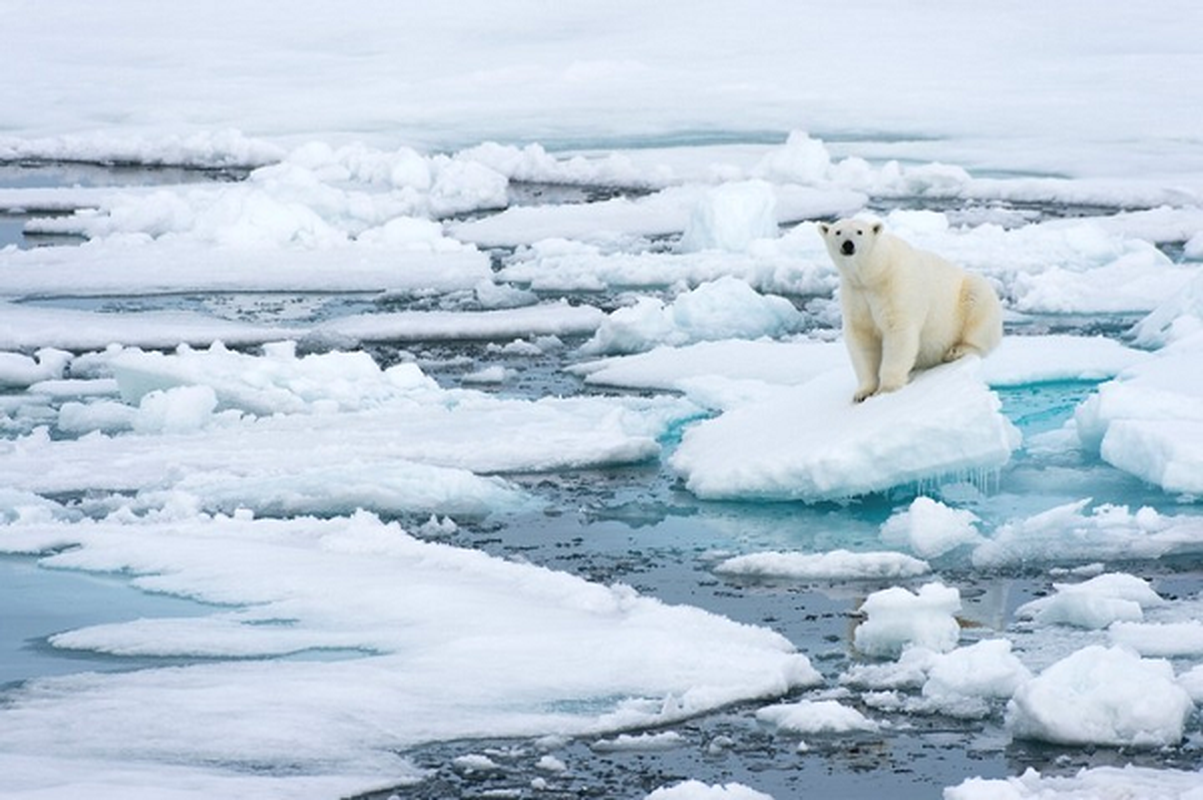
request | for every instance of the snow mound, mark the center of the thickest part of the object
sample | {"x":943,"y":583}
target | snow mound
{"x":1102,"y":696}
{"x":896,"y":618}
{"x":946,"y":422}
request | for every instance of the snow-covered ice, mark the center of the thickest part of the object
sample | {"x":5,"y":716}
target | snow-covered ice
{"x":897,"y":618}
{"x":1104,"y":696}
{"x":836,"y":449}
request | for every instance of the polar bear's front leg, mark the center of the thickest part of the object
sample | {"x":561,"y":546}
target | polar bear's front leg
{"x":864,"y":348}
{"x":899,"y":349}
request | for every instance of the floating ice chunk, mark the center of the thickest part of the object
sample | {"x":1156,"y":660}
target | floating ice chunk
{"x":723,"y":309}
{"x":930,"y":528}
{"x":422,"y":616}
{"x":896,"y":618}
{"x":388,"y":486}
{"x":794,"y":263}
{"x":802,"y":159}
{"x":181,"y":409}
{"x":489,"y":375}
{"x":277,"y":382}
{"x":134,"y":266}
{"x":1059,"y":357}
{"x":696,"y":790}
{"x":815,"y":716}
{"x":787,"y":363}
{"x":18,"y":371}
{"x":666,"y":212}
{"x":910,"y":671}
{"x":1095,"y":603}
{"x":545,"y":319}
{"x":1086,"y":784}
{"x":834,"y":565}
{"x":1103,"y":696}
{"x":1178,"y":317}
{"x":961,"y":682}
{"x":403,"y":418}
{"x":1149,"y":420}
{"x":640,"y":743}
{"x":1192,"y":682}
{"x":1106,"y":532}
{"x":1165,"y":639}
{"x":946,"y":422}
{"x":732,"y":216}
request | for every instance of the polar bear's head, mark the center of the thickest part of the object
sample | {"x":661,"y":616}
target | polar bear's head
{"x":849,"y":238}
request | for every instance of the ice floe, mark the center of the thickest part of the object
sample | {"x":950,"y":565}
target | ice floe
{"x":836,"y":449}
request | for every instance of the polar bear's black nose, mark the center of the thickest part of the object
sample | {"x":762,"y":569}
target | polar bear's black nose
{"x":848,"y":247}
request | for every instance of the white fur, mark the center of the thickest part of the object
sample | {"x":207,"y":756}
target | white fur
{"x":905,"y":308}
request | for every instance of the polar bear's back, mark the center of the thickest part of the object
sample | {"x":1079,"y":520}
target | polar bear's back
{"x":946,"y":297}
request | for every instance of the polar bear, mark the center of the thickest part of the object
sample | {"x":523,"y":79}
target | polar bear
{"x":905,"y":308}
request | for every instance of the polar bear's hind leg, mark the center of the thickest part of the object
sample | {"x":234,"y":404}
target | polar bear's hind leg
{"x":982,"y":330}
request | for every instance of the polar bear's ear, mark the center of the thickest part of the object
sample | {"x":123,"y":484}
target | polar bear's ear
{"x":876,"y":228}
{"x":824,"y":228}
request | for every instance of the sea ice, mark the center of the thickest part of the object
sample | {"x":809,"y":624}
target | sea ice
{"x":1086,"y":784}
{"x":1149,"y":420}
{"x":1103,"y":696}
{"x":731,"y":217}
{"x":896,"y":618}
{"x":832,"y":565}
{"x":963,"y":681}
{"x":1095,"y":603}
{"x":411,"y":617}
{"x":696,"y":790}
{"x":944,"y":423}
{"x":815,"y":716}
{"x":1068,"y":532}
{"x":723,"y":309}
{"x":929,"y":528}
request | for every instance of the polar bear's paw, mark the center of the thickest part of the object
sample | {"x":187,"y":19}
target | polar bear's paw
{"x":863,"y":393}
{"x":960,"y":351}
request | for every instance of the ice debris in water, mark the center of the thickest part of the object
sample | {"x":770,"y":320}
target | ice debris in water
{"x":697,"y":790}
{"x":897,"y":618}
{"x":727,"y":308}
{"x":930,"y":529}
{"x":1094,"y":604}
{"x":1102,"y":696}
{"x":833,"y":565}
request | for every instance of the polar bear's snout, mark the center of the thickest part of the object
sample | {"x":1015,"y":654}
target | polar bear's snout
{"x":848,"y":248}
